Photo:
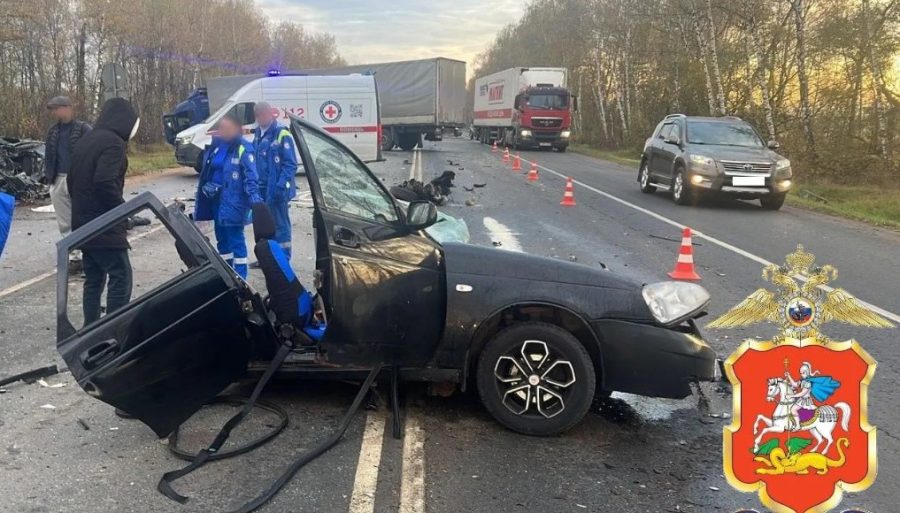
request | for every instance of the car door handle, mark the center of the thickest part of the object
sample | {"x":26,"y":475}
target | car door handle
{"x":99,"y":353}
{"x":345,"y":237}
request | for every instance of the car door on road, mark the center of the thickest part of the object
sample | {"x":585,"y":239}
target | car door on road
{"x":383,"y":286}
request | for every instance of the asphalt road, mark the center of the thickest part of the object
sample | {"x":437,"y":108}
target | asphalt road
{"x":630,"y":454}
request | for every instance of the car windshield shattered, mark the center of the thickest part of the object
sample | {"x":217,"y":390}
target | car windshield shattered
{"x":723,"y":134}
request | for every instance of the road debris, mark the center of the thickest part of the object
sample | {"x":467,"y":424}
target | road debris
{"x":83,"y":423}
{"x":436,"y":191}
{"x":30,"y":376}
{"x":22,"y":168}
{"x":47,"y":406}
{"x":44,"y":384}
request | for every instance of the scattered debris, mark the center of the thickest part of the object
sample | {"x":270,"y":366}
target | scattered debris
{"x":22,"y":168}
{"x":46,"y":209}
{"x":478,"y":185}
{"x":470,"y":202}
{"x":436,"y":191}
{"x":468,"y":189}
{"x":714,"y":488}
{"x":810,"y":194}
{"x":31,"y":376}
{"x":44,"y":384}
{"x":83,"y":424}
{"x":114,"y":428}
{"x":47,"y":406}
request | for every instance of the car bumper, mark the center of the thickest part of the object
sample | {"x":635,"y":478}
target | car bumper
{"x":652,"y":360}
{"x":724,"y":184}
{"x":544,"y":139}
{"x":186,"y":154}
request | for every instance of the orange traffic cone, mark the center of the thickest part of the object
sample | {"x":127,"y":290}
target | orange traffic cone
{"x":684,"y":265}
{"x":494,"y":147}
{"x":517,"y":163}
{"x":533,"y":173}
{"x":506,"y":155}
{"x":568,"y":196}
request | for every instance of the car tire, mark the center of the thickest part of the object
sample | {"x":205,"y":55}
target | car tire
{"x":387,"y":140}
{"x":408,"y":141}
{"x":772,"y":201}
{"x":557,"y":365}
{"x":681,"y":191}
{"x":644,"y":178}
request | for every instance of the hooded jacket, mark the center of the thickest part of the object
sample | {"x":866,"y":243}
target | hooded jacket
{"x":97,"y":178}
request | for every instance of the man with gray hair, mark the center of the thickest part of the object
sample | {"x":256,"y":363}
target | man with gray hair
{"x":60,"y":142}
{"x":276,"y":163}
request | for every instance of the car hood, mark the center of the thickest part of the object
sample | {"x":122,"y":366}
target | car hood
{"x":506,"y":277}
{"x":735,"y":153}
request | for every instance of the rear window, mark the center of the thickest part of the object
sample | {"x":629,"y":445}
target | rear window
{"x":724,"y":134}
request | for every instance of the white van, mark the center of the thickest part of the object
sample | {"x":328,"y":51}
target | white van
{"x":344,"y":105}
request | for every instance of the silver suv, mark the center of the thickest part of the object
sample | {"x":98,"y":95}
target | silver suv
{"x":690,"y":155}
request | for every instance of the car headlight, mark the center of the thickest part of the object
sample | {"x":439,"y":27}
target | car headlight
{"x":565,"y":134}
{"x":186,"y":139}
{"x":702,"y":159}
{"x":671,"y":302}
{"x":525,"y":133}
{"x":782,"y":164}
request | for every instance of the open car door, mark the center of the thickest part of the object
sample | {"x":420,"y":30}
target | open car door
{"x":178,"y":342}
{"x":383,"y":278}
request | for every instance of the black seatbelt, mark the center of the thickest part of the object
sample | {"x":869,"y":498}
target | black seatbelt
{"x":165,"y":482}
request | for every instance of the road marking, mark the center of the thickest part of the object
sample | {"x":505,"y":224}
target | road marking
{"x":885,"y":313}
{"x":415,"y":170}
{"x":501,"y":233}
{"x":366,"y":480}
{"x":412,"y":480}
{"x":41,"y":277}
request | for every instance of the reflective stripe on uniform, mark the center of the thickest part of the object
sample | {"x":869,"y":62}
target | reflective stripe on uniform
{"x":240,"y":261}
{"x":227,"y":256}
{"x":286,"y":245}
{"x":282,"y":134}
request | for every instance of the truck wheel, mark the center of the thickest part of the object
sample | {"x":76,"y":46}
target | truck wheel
{"x":536,"y":378}
{"x":387,"y":140}
{"x":772,"y":201}
{"x":644,"y":179}
{"x":561,"y":149}
{"x":408,"y":141}
{"x":681,"y":191}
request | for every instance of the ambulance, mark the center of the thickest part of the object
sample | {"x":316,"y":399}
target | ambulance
{"x":346,"y":106}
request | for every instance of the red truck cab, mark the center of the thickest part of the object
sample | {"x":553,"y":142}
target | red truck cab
{"x":543,"y":118}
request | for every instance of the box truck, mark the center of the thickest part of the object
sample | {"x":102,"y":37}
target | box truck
{"x":344,"y":105}
{"x":186,"y":114}
{"x":524,"y":108}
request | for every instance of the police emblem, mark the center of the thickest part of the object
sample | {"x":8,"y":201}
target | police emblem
{"x":800,"y":434}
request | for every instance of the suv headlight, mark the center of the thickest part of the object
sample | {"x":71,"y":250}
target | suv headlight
{"x":702,"y":159}
{"x":782,"y":164}
{"x":525,"y":133}
{"x":565,"y":134}
{"x":672,"y":302}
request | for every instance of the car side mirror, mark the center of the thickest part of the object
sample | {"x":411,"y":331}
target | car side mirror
{"x":774,"y":145}
{"x":420,"y":215}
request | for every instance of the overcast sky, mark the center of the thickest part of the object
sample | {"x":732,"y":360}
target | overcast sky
{"x":369,"y":31}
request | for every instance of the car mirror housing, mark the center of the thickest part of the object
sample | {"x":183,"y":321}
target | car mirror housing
{"x":673,"y":139}
{"x":420,"y":215}
{"x":773,"y":145}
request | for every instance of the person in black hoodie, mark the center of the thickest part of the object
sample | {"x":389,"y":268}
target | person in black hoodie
{"x":96,"y":182}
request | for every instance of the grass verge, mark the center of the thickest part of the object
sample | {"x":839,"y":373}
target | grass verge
{"x":150,"y":159}
{"x":878,"y":206}
{"x":624,"y":157}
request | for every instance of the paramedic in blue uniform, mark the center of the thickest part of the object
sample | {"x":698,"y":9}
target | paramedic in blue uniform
{"x":227,"y":188}
{"x":276,"y":161}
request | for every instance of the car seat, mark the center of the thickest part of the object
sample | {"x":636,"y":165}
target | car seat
{"x":291,"y":303}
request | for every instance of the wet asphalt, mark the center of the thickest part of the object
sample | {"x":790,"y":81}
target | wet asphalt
{"x":630,"y":454}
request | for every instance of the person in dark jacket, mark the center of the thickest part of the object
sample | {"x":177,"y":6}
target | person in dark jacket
{"x":227,"y":188}
{"x":96,"y":182}
{"x":60,"y":141}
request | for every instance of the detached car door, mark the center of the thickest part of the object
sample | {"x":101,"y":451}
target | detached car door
{"x":383,"y":283}
{"x":180,"y":340}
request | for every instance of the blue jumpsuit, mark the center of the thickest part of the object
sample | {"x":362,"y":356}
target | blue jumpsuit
{"x":228,"y":186}
{"x":276,"y":161}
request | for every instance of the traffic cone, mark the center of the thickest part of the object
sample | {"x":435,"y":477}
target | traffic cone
{"x":568,"y":196}
{"x":494,"y":147}
{"x":684,"y":264}
{"x":517,"y":163}
{"x":533,"y":173}
{"x":506,"y":155}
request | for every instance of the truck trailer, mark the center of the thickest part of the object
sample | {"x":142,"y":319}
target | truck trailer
{"x":524,"y":108}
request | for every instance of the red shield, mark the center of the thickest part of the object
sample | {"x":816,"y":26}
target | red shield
{"x":800,"y":434}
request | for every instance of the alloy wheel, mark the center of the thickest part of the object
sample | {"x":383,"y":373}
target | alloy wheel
{"x":533,"y":381}
{"x":678,"y":187}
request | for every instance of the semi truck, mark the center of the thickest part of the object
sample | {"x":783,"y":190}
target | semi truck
{"x":418,"y":99}
{"x":186,"y":114}
{"x":524,"y":108}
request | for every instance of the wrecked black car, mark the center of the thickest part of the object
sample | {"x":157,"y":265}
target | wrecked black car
{"x":537,"y":337}
{"x":22,"y":168}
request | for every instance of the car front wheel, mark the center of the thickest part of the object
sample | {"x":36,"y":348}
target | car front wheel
{"x":644,"y":179}
{"x":536,"y":378}
{"x":772,"y":201}
{"x":681,"y":192}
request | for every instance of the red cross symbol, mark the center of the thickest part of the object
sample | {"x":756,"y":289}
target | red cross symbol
{"x":330,"y":111}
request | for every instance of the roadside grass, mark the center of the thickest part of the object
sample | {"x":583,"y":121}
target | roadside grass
{"x":150,"y":159}
{"x":624,"y":157}
{"x":874,"y":205}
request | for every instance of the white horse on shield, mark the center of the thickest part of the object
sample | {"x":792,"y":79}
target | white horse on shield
{"x":821,"y":425}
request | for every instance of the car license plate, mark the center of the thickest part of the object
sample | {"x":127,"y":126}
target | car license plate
{"x":751,"y":181}
{"x":543,"y":144}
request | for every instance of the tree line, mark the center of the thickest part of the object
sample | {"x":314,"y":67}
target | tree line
{"x":822,"y":77}
{"x":167,"y":47}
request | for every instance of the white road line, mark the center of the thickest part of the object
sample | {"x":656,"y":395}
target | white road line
{"x":885,"y":313}
{"x":366,"y":480}
{"x":412,"y":480}
{"x":41,"y":277}
{"x":501,"y":233}
{"x":414,"y":172}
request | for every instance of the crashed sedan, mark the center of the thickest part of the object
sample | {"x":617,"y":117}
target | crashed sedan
{"x":538,"y":338}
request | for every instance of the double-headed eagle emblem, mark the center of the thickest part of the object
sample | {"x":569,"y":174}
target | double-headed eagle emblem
{"x":800,"y":309}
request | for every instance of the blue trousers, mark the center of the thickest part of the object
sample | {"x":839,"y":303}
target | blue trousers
{"x":232,"y":247}
{"x":100,"y":265}
{"x":279,"y":211}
